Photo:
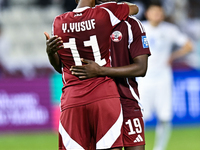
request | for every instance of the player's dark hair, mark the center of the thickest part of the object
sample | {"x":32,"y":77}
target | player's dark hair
{"x":155,"y":3}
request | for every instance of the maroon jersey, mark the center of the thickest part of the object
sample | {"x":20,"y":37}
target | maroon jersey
{"x":128,"y":41}
{"x":86,"y":33}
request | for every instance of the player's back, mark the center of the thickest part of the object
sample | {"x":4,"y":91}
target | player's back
{"x":82,"y":33}
{"x":85,"y":33}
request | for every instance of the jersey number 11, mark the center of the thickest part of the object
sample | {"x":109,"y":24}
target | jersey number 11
{"x":95,"y":48}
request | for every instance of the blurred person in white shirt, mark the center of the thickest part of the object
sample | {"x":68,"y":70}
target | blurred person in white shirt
{"x":156,"y":87}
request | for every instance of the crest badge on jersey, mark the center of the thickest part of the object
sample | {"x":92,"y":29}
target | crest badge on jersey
{"x":116,"y":36}
{"x":145,"y":42}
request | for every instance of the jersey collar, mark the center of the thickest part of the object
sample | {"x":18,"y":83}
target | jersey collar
{"x":80,"y":9}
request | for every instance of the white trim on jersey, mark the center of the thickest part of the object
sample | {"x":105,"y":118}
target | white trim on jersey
{"x":68,"y":142}
{"x":139,"y":23}
{"x":114,"y":20}
{"x":130,"y":34}
{"x":63,"y":76}
{"x":77,"y":10}
{"x":103,"y":3}
{"x":52,"y":30}
{"x":135,"y":95}
{"x":132,"y":91}
{"x":52,"y":27}
{"x":112,"y":135}
{"x":141,"y":107}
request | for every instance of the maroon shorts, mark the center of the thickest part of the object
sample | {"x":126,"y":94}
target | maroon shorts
{"x":96,"y":125}
{"x":133,"y":132}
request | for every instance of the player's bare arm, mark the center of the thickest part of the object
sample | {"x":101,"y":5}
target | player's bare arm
{"x":183,"y":51}
{"x":54,"y":44}
{"x":133,"y":9}
{"x":137,"y":69}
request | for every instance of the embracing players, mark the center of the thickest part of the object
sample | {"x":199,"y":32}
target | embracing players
{"x":90,"y":109}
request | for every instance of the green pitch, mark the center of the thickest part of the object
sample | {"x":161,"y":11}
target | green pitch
{"x":29,"y":141}
{"x":181,"y":139}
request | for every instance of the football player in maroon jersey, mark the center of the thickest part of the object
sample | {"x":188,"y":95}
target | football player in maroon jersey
{"x":90,"y":109}
{"x":129,"y":56}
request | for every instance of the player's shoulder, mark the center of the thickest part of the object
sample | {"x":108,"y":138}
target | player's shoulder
{"x":132,"y":19}
{"x":111,"y":5}
{"x":106,"y":4}
{"x":135,"y":23}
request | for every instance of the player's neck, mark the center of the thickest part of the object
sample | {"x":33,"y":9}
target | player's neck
{"x":84,"y":3}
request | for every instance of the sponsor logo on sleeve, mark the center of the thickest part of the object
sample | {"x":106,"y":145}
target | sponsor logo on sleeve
{"x":145,"y":42}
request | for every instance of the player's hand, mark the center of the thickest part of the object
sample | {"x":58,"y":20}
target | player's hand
{"x":53,"y":44}
{"x":91,"y":69}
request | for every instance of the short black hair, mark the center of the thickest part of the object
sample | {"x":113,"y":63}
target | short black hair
{"x":155,"y":3}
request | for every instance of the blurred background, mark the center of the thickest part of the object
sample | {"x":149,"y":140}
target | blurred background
{"x":30,"y":89}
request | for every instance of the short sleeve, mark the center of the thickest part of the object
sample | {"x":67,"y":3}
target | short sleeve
{"x":139,"y":44}
{"x":119,"y":10}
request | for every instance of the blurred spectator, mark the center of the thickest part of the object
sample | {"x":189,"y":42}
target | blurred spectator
{"x":4,"y":4}
{"x":4,"y":50}
{"x":156,"y":87}
{"x":176,"y":10}
{"x":194,"y":10}
{"x":44,"y":3}
{"x":191,"y":26}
